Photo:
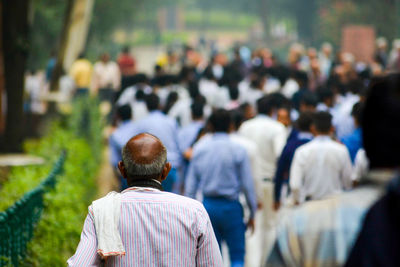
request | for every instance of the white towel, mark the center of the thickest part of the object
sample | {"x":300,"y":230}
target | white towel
{"x":107,"y":213}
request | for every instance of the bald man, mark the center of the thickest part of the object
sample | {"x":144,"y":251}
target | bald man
{"x":155,"y":228}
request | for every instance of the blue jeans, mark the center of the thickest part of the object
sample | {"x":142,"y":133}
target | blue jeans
{"x":227,"y":220}
{"x":168,"y":183}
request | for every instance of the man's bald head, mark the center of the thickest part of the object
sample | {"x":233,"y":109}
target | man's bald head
{"x":144,"y":155}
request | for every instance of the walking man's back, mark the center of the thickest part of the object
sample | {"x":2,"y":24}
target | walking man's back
{"x":321,"y":167}
{"x":152,"y":228}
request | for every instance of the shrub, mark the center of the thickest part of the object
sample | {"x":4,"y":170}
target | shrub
{"x":57,"y":234}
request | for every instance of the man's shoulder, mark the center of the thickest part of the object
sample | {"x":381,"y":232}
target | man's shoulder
{"x":186,"y":203}
{"x":263,"y":122}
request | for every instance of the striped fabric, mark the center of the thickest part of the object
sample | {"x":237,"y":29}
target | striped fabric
{"x":157,"y":229}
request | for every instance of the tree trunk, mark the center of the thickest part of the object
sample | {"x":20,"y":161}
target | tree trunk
{"x":58,"y":69}
{"x":16,"y":47}
{"x":1,"y":73}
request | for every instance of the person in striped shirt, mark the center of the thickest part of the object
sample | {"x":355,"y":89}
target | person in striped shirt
{"x":156,"y":228}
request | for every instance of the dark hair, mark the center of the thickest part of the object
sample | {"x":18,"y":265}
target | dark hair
{"x":197,"y":109}
{"x":357,"y":111}
{"x":152,"y":102}
{"x":264,"y":105}
{"x":140,"y":95}
{"x":324,"y":93}
{"x":233,"y":92}
{"x":304,"y":121}
{"x":309,"y":99}
{"x":322,"y":121}
{"x":256,"y":81}
{"x":124,"y":112}
{"x":301,"y":78}
{"x":193,"y":89}
{"x":278,"y":100}
{"x":171,"y":100}
{"x":237,"y":117}
{"x":220,"y":120}
{"x":381,"y":122}
{"x":208,"y":73}
{"x":356,"y":86}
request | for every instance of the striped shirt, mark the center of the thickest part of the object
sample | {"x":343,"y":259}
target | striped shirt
{"x":157,"y":229}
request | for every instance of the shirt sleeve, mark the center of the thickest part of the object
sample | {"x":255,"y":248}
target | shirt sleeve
{"x":86,"y":253}
{"x":208,"y":253}
{"x":192,"y":180}
{"x":279,"y":175}
{"x":246,"y":179}
{"x":296,"y":175}
{"x":279,"y":142}
{"x":347,"y":170}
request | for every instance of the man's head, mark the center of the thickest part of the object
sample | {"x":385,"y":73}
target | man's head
{"x":237,"y":118}
{"x":124,"y":113}
{"x":304,"y":122}
{"x":220,"y":121}
{"x":308,"y":102}
{"x":105,"y":57}
{"x":152,"y":102}
{"x":197,"y":109}
{"x":265,"y":105}
{"x":381,"y":122}
{"x":356,"y":113}
{"x":326,"y":96}
{"x":144,"y":157}
{"x":322,"y":123}
{"x":283,"y":116}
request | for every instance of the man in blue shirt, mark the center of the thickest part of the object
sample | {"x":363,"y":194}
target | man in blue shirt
{"x":166,"y":129}
{"x":188,"y":135}
{"x":353,"y":141}
{"x":220,"y":170}
{"x":282,"y":172}
{"x":119,"y":138}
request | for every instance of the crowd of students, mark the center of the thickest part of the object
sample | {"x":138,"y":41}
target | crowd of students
{"x":251,"y":130}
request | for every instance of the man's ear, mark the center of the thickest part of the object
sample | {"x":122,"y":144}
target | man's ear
{"x":332,"y":130}
{"x":165,"y":171}
{"x":313,"y":129}
{"x":122,"y":169}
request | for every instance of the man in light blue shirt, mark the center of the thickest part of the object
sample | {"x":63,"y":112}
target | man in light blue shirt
{"x":166,"y":129}
{"x":119,"y":138}
{"x":220,"y":170}
{"x":188,"y":135}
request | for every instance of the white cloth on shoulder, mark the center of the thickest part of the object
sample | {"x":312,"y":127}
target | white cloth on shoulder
{"x":107,"y":214}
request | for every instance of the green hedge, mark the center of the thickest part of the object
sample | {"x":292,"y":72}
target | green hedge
{"x":57,"y":234}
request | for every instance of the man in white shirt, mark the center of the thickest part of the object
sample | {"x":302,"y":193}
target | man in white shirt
{"x":106,"y":75}
{"x":321,"y":167}
{"x":270,"y":138}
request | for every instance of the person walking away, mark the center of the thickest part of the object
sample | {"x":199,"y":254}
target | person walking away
{"x":81,"y":72}
{"x":144,"y":226}
{"x":127,"y":67}
{"x":166,"y":129}
{"x":220,"y":170}
{"x":322,"y":167}
{"x":270,"y":138}
{"x":282,"y":178}
{"x":118,"y":139}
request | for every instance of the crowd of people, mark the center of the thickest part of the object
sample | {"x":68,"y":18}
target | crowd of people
{"x":284,"y":140}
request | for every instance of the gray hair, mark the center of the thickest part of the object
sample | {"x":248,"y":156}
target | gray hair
{"x":135,"y":169}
